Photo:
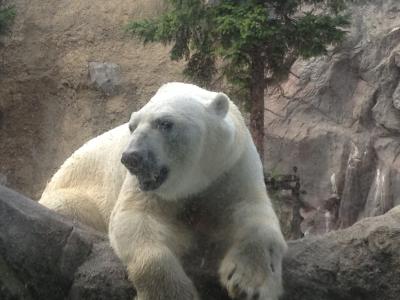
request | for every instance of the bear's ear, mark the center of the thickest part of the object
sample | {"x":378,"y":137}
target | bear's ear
{"x":219,"y":105}
{"x":133,"y":115}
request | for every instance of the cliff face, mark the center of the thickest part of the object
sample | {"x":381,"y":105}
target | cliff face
{"x":68,"y":73}
{"x":337,"y":118}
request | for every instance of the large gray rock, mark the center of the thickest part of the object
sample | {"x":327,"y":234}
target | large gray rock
{"x":360,"y":262}
{"x":46,"y":256}
{"x":338,"y":121}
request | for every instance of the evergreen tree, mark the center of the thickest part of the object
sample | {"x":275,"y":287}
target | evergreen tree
{"x":251,"y":42}
{"x":7,"y":14}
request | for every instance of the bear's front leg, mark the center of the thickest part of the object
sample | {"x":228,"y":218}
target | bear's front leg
{"x":157,"y":275}
{"x":252,"y":267}
{"x":149,"y":248}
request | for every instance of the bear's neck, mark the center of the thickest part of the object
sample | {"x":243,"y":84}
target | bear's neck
{"x":232,"y":184}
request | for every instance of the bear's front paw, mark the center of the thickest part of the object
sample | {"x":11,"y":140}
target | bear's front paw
{"x":252,"y":273}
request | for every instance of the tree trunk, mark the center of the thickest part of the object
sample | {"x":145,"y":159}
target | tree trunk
{"x":257,"y":86}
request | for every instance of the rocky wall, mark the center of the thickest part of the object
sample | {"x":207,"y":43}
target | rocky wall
{"x":337,"y":119}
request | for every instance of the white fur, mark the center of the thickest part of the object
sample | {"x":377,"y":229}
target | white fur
{"x":221,"y":175}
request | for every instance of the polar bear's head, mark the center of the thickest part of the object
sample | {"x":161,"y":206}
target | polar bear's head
{"x":181,"y":141}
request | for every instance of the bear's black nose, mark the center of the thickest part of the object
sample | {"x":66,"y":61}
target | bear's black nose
{"x":133,"y":160}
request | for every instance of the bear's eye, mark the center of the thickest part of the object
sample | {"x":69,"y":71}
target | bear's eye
{"x":164,"y":125}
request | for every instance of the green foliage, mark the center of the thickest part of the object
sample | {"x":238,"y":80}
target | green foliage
{"x":6,"y":16}
{"x":232,"y":33}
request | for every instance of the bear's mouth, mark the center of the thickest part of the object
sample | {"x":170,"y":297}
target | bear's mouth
{"x":152,"y":181}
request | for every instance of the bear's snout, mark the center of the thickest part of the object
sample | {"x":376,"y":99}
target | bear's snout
{"x":134,"y":161}
{"x":143,"y":165}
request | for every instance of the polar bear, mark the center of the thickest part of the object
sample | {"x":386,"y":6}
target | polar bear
{"x":189,"y":189}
